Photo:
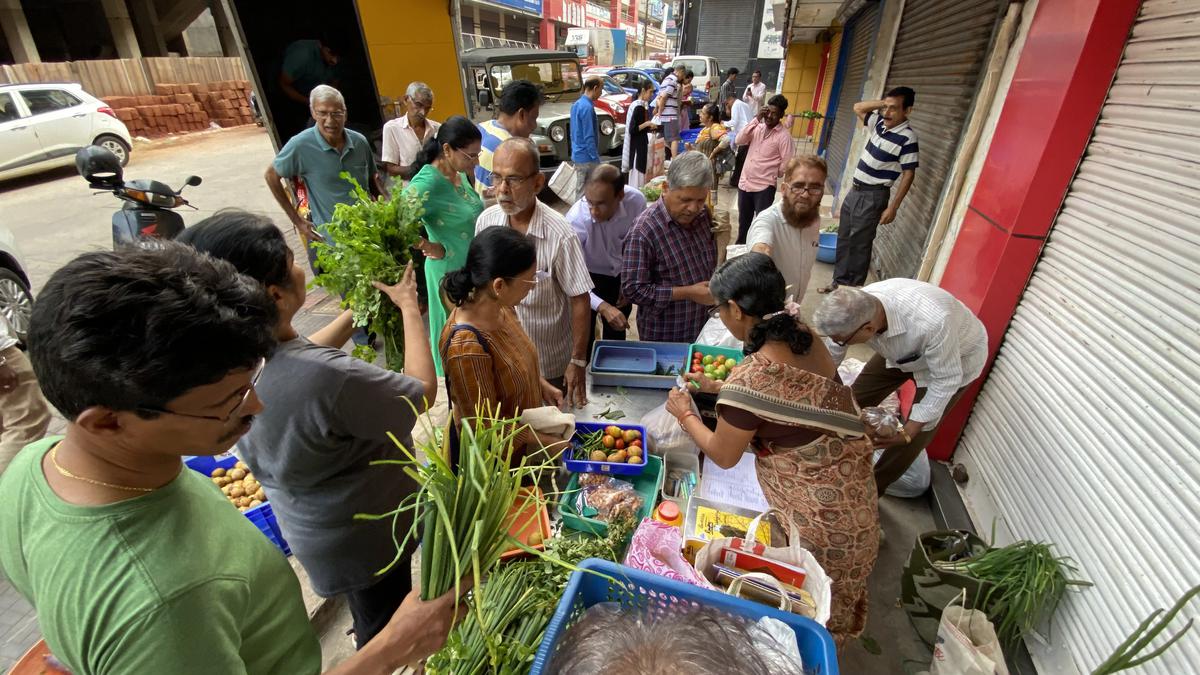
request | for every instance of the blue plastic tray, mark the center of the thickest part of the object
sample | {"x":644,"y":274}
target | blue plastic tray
{"x":657,"y":595}
{"x":621,"y":359}
{"x":587,"y":466}
{"x":262,"y":516}
{"x":669,"y":355}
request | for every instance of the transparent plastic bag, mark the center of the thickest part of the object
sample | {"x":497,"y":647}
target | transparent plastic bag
{"x":666,"y":434}
{"x":611,"y":498}
{"x":881,"y":422}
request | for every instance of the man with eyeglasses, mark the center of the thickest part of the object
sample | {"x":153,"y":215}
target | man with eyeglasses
{"x":770,"y":149}
{"x":919,"y":332}
{"x":404,"y":136}
{"x":790,"y":230}
{"x":135,"y":563}
{"x":557,"y":314}
{"x":318,"y":155}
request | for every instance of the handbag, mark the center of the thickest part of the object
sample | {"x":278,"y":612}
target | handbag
{"x":925,"y":589}
{"x":816,"y":582}
{"x":966,"y":643}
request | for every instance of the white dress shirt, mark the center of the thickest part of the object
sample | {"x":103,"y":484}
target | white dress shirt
{"x":794,"y":249}
{"x":603,"y":242}
{"x":740,"y":115}
{"x":930,"y":334}
{"x":400,"y":142}
{"x":545,"y":313}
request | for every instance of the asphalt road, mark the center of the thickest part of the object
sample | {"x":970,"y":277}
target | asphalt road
{"x":55,"y":217}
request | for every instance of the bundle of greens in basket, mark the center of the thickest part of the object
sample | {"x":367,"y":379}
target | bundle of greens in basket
{"x":371,"y":240}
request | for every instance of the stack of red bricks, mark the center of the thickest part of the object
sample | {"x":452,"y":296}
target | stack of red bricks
{"x":180,"y":108}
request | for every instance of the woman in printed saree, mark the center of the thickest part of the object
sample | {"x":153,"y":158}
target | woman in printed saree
{"x":813,"y":455}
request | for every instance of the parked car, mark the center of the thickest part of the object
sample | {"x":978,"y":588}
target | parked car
{"x":43,"y":125}
{"x":708,"y":73}
{"x":16,"y":298}
{"x":596,"y":70}
{"x":615,"y":100}
{"x":559,"y":77}
{"x":631,"y":79}
{"x":647,"y":63}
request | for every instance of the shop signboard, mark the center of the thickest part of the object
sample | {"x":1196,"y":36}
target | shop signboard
{"x":531,"y":6}
{"x":770,"y":41}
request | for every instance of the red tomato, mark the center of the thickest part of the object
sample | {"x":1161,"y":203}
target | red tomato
{"x":637,"y":443}
{"x":697,"y":368}
{"x":620,"y":444}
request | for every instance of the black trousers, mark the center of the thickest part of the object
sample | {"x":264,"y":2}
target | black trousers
{"x":750,"y":204}
{"x":738,"y":162}
{"x":859,"y":220}
{"x":372,"y":607}
{"x":609,"y":290}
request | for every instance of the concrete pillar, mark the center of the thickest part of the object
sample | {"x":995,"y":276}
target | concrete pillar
{"x":121,"y":27}
{"x":546,"y":34}
{"x":16,"y":32}
{"x":225,"y":32}
{"x":145,"y":22}
{"x":503,"y":31}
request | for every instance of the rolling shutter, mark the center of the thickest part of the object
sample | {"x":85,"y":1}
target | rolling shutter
{"x":861,"y":32}
{"x":725,"y":30}
{"x":940,"y":52}
{"x":1087,"y":431}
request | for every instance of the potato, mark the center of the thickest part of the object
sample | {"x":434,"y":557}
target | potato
{"x":218,"y":472}
{"x":250,"y":476}
{"x":236,"y":491}
{"x":216,"y":481}
{"x":619,"y":456}
{"x":241,"y":465}
{"x":237,"y":474}
{"x":226,"y":489}
{"x":634,"y":459}
{"x":255,"y":502}
{"x":598,"y":456}
{"x":243,"y":509}
{"x":251,"y":486}
{"x":260,"y":495}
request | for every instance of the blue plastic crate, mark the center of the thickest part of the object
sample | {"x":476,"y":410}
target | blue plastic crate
{"x":689,"y":135}
{"x":262,"y":516}
{"x":642,"y":590}
{"x":614,"y":468}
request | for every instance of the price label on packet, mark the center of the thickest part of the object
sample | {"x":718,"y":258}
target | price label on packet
{"x":713,"y":524}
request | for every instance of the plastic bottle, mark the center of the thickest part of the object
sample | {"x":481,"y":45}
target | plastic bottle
{"x":668,"y":512}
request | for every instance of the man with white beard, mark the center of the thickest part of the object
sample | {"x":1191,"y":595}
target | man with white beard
{"x":789,"y":231}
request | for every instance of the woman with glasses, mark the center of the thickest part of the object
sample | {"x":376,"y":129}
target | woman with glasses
{"x":326,"y":418}
{"x":814,"y":458}
{"x":451,"y":207}
{"x":491,"y":364}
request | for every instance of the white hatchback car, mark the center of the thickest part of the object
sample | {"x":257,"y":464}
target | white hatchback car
{"x":43,"y":125}
{"x":16,"y":298}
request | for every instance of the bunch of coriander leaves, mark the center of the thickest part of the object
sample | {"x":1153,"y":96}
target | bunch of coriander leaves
{"x":371,"y":240}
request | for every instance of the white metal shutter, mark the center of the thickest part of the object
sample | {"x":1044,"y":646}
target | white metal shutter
{"x":940,"y":52}
{"x":862,"y":31}
{"x":1087,"y":432}
{"x":725,"y":29}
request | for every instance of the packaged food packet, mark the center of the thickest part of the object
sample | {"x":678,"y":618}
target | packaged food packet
{"x":612,"y":498}
{"x":882,"y":423}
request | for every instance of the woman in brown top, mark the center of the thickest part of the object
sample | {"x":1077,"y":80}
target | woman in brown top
{"x":814,"y":458}
{"x":489,"y":360}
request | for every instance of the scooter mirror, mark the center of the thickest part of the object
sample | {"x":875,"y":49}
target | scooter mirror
{"x":193,"y":180}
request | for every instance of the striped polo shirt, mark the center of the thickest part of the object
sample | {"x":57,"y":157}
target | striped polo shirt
{"x":493,"y":136}
{"x":670,"y":89}
{"x":888,"y":152}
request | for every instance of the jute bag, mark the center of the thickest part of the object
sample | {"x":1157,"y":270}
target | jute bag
{"x":925,"y":589}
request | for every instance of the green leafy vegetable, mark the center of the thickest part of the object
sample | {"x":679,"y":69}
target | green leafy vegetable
{"x":371,"y":240}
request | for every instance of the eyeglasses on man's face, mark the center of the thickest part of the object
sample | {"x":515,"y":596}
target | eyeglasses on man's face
{"x":540,"y":275}
{"x":329,"y":114}
{"x":845,"y":341}
{"x":510,"y":182}
{"x":799,"y":188}
{"x":241,"y":404}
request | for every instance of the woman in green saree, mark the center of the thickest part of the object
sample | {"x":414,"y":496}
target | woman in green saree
{"x":451,"y":207}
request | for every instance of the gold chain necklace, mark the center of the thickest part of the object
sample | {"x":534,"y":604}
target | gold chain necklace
{"x":68,"y":474}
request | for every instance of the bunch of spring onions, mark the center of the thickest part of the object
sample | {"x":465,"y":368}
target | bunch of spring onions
{"x":461,"y":510}
{"x":1023,"y":584}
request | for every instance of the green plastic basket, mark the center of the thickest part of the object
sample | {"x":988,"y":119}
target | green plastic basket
{"x":648,"y":484}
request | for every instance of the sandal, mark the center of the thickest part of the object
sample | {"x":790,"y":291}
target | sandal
{"x":828,"y":289}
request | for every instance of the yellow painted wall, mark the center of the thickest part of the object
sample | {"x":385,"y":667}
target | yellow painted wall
{"x":414,"y":40}
{"x":827,"y":86}
{"x":803,"y":66}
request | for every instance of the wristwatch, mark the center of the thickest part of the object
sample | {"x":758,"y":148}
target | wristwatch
{"x":579,"y":362}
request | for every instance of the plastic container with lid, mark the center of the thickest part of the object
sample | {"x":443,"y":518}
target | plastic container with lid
{"x":668,"y":512}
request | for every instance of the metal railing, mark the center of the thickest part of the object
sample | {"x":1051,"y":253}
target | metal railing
{"x":470,"y":40}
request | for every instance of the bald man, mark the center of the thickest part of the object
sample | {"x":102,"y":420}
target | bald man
{"x":601,"y":218}
{"x":557,"y":313}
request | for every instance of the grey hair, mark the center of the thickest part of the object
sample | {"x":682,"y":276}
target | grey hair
{"x":843,"y":311}
{"x":690,"y":170}
{"x":419,"y":91}
{"x":686,"y":640}
{"x":324,"y":92}
{"x":524,"y":144}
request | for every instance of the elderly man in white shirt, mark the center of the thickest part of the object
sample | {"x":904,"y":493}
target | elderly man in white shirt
{"x":404,"y":136}
{"x":919,"y":332}
{"x":556,"y":313}
{"x":602,"y":218}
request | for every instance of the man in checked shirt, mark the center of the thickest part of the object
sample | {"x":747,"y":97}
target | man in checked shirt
{"x":670,"y":255}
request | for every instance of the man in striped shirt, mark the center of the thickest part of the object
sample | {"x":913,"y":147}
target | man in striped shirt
{"x":890,"y":155}
{"x":667,"y":111}
{"x":557,"y":313}
{"x":517,"y":113}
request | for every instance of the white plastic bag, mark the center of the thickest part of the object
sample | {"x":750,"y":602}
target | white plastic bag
{"x":966,"y":643}
{"x":564,"y":182}
{"x":715,"y":334}
{"x":666,"y":434}
{"x":915,"y":480}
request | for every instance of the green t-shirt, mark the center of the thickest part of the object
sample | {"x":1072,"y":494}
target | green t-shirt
{"x":174,"y":581}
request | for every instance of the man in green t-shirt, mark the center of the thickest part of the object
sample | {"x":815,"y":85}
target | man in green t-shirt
{"x":134,"y":563}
